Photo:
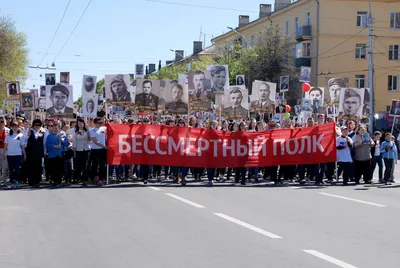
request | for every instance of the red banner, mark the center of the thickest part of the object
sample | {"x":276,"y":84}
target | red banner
{"x":196,"y":147}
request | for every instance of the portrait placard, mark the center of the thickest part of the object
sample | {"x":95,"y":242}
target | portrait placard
{"x":27,"y":101}
{"x":148,"y":94}
{"x":90,"y":106}
{"x":305,"y":74}
{"x":13,"y":89}
{"x":240,"y":80}
{"x":219,"y":78}
{"x":199,"y":87}
{"x":139,"y":71}
{"x":351,"y":103}
{"x":236,"y":104}
{"x":89,"y":85}
{"x":175,"y":96}
{"x":315,"y":93}
{"x":117,"y":89}
{"x":263,"y":96}
{"x":284,"y":83}
{"x":64,"y":78}
{"x":50,"y":79}
{"x":395,"y":108}
{"x":59,"y":100}
{"x":332,"y":89}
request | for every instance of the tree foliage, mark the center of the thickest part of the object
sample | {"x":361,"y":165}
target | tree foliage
{"x":266,"y":61}
{"x":13,"y":55}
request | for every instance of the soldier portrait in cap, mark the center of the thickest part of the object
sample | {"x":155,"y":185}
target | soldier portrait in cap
{"x":64,"y":78}
{"x":179,"y":102}
{"x":199,"y":85}
{"x":59,"y":100}
{"x":305,"y":74}
{"x":219,"y":78}
{"x":236,"y":103}
{"x":332,"y":89}
{"x":306,"y":105}
{"x":148,"y":99}
{"x":351,"y":102}
{"x":13,"y":90}
{"x":116,"y":89}
{"x":89,"y":85}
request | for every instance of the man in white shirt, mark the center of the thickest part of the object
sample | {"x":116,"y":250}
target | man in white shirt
{"x":343,"y":145}
{"x":98,"y":155}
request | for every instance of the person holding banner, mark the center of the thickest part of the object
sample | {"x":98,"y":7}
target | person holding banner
{"x":81,"y":147}
{"x":98,"y":153}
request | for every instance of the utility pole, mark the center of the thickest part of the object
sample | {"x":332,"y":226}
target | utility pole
{"x":371,"y":74}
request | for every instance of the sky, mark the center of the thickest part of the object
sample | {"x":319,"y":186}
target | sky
{"x":114,"y":35}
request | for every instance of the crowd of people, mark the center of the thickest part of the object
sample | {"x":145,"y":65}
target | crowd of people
{"x":62,"y":153}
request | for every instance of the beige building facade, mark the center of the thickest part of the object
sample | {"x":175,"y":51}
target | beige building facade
{"x":331,"y":37}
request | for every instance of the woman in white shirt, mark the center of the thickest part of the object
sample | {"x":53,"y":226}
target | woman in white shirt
{"x":81,"y":147}
{"x":14,"y":151}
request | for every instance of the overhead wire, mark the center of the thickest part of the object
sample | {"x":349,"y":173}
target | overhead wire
{"x":54,"y":36}
{"x":73,"y":30}
{"x":341,"y":43}
{"x":202,"y":6}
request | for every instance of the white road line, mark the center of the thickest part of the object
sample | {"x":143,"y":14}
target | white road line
{"x":329,"y":258}
{"x":355,"y":200}
{"x":248,"y":226}
{"x":295,"y":187}
{"x":154,"y":188}
{"x":185,"y":200}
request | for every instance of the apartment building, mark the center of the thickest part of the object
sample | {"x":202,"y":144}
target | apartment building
{"x":331,"y":36}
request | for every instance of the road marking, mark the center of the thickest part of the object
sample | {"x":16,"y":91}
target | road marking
{"x":248,"y":226}
{"x":185,"y":200}
{"x":295,"y":187}
{"x":154,"y":188}
{"x":329,"y":258}
{"x":355,"y":200}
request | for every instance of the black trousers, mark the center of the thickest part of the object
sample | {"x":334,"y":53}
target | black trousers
{"x":56,"y":168}
{"x":144,"y":172}
{"x":80,"y":166}
{"x":288,"y":172}
{"x":388,"y":169}
{"x":34,"y":166}
{"x":330,"y":170}
{"x":157,"y":171}
{"x":98,"y":159}
{"x":362,"y":168}
{"x":240,"y":174}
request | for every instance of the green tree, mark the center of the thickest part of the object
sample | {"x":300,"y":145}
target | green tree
{"x":99,"y":90}
{"x":13,"y":55}
{"x":266,"y":62}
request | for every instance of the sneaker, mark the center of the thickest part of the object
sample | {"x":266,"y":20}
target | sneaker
{"x":145,"y":181}
{"x":211,"y":183}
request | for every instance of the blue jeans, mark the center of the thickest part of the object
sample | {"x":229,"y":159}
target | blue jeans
{"x":14,"y":167}
{"x":175,"y":171}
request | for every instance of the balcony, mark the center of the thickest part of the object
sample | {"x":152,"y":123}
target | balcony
{"x":304,"y":61}
{"x":304,"y":33}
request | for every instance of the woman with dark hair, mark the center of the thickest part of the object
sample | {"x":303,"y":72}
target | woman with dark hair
{"x":81,"y":148}
{"x":183,"y":170}
{"x":14,"y":150}
{"x":35,"y":152}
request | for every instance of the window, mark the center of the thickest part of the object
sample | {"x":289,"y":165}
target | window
{"x":394,"y":52}
{"x":360,"y":51}
{"x":362,"y":19}
{"x":259,"y":38}
{"x":303,"y":49}
{"x":308,"y":19}
{"x":392,"y":83}
{"x":287,"y":28}
{"x":252,"y":40}
{"x":296,"y":25}
{"x":360,"y":81}
{"x":395,"y":20}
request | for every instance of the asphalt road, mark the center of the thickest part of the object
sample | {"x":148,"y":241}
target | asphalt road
{"x":166,"y":225}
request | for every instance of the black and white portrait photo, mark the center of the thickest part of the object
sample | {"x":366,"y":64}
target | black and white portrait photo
{"x":64,"y":78}
{"x":147,"y":94}
{"x":199,"y":84}
{"x":315,"y":93}
{"x":27,"y":101}
{"x":305,"y":74}
{"x":395,"y":108}
{"x":284,"y":83}
{"x":332,"y":89}
{"x":280,"y":106}
{"x":139,"y":71}
{"x":176,"y":99}
{"x":317,"y":106}
{"x":59,"y":101}
{"x":236,"y":103}
{"x":13,"y":90}
{"x":306,"y":105}
{"x":331,"y":110}
{"x":262,"y":98}
{"x":90,"y":106}
{"x":89,"y":85}
{"x":41,"y":106}
{"x":297,"y":109}
{"x":50,"y":79}
{"x":219,"y":78}
{"x":117,"y":90}
{"x":42,"y":92}
{"x":351,"y":103}
{"x":240,"y":80}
